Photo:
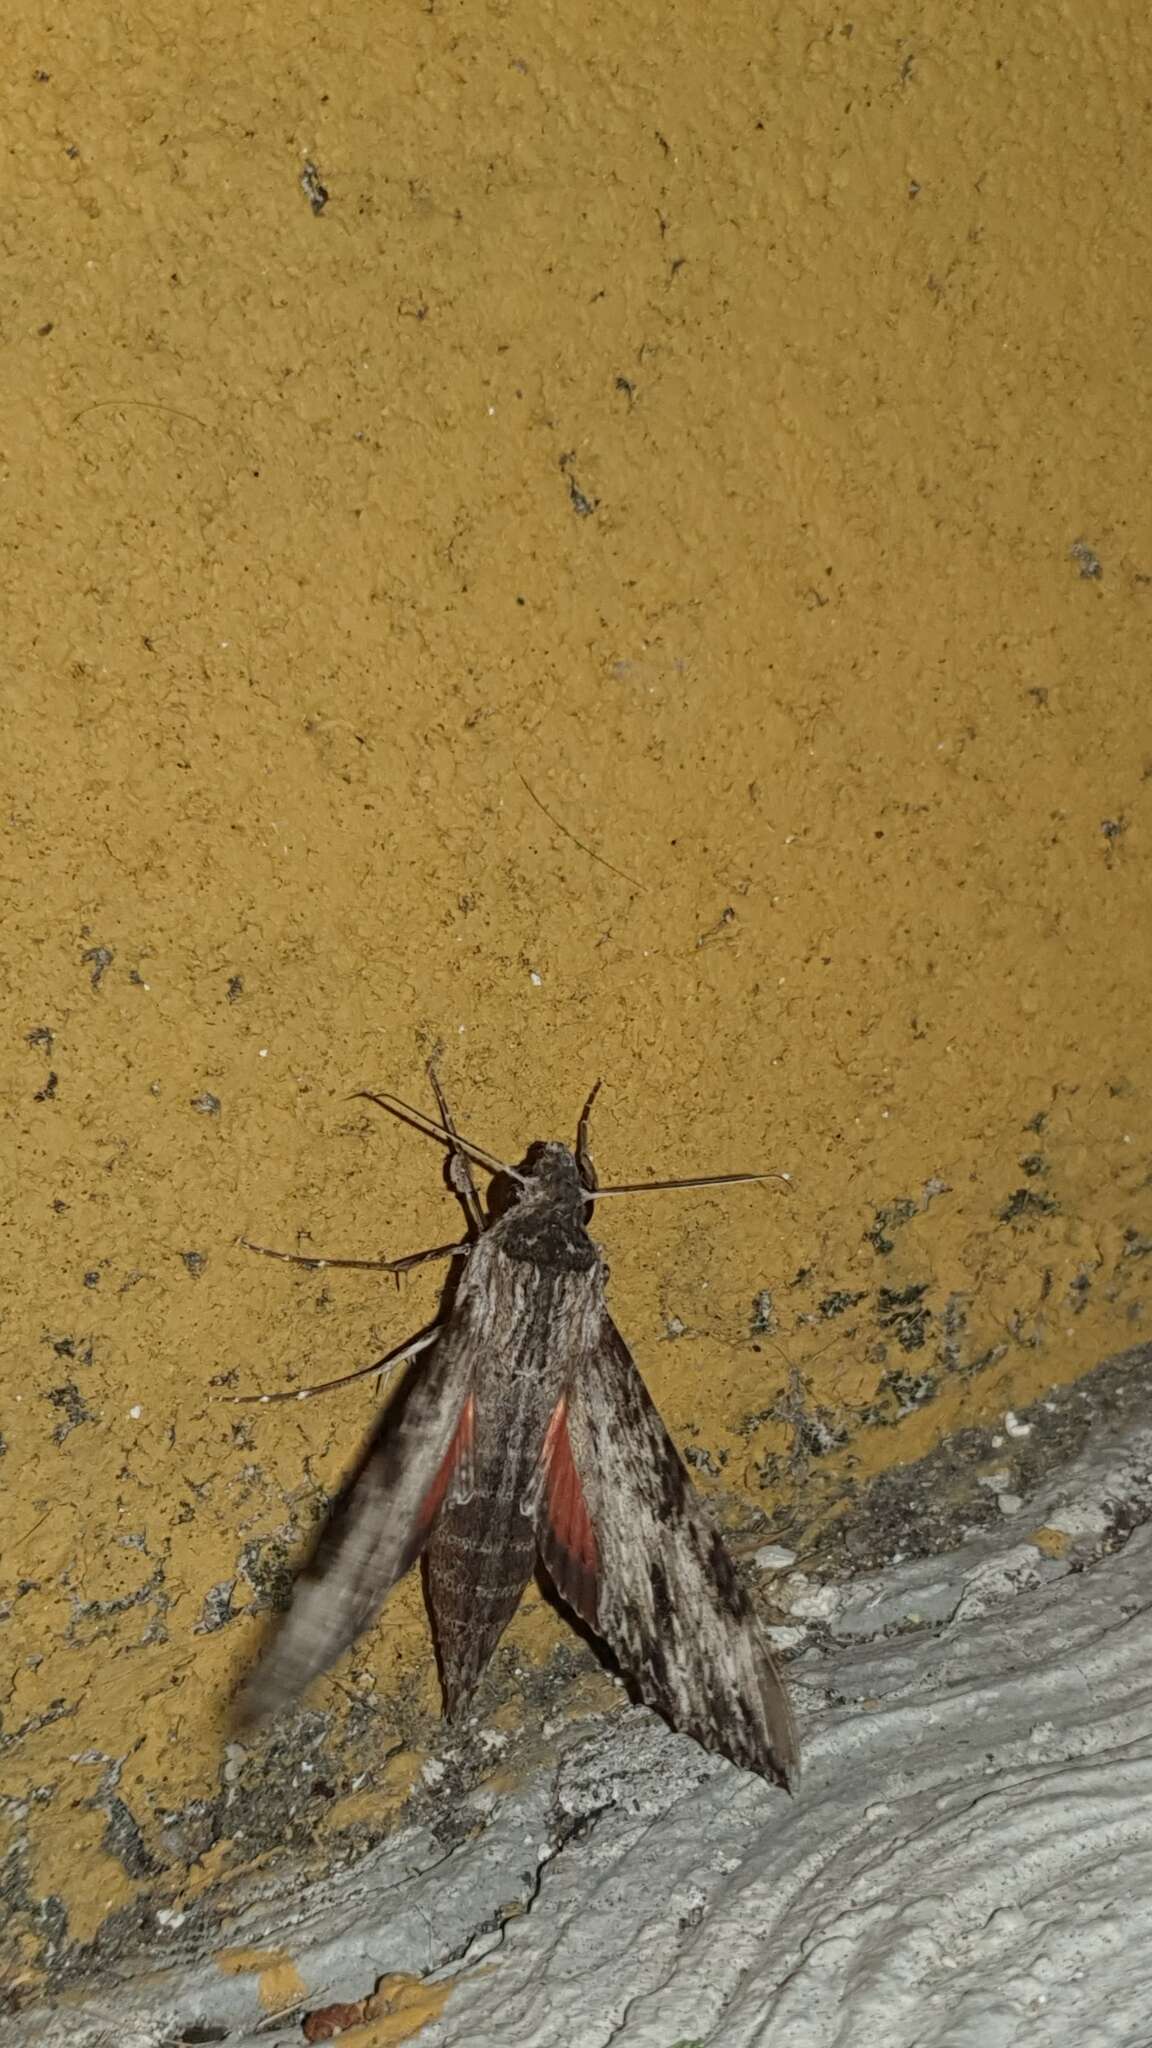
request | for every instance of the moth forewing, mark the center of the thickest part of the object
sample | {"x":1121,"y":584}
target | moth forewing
{"x":524,"y":1432}
{"x":376,"y":1529}
{"x":669,"y":1600}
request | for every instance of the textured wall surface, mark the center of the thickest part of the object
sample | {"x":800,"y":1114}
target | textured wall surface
{"x":652,"y":579}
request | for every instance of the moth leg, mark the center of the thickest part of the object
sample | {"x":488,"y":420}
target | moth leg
{"x":316,"y":1263}
{"x":584,"y":1165}
{"x":459,"y":1170}
{"x":380,"y":1366}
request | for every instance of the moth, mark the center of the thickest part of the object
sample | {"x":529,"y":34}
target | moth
{"x":526,"y":1435}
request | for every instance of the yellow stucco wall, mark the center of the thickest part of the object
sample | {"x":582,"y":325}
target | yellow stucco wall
{"x":653,"y":581}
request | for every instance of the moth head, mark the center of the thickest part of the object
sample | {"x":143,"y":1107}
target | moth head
{"x":553,"y":1177}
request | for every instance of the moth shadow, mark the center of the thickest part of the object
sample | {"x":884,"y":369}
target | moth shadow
{"x":502,"y":1193}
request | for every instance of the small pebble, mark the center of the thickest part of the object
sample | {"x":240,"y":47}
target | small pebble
{"x":786,"y":1638}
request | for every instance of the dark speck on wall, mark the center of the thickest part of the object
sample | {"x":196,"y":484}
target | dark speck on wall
{"x":1087,"y":560}
{"x":314,"y":191}
{"x":836,"y":1304}
{"x":99,"y":959}
{"x":1025,"y":1205}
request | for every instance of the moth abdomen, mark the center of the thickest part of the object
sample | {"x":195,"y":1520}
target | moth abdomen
{"x":477,"y":1568}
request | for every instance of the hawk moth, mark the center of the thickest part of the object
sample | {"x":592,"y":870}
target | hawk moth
{"x":526,"y":1433}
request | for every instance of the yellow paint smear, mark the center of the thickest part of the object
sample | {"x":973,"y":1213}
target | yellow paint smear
{"x":1053,"y":1542}
{"x":281,"y":1985}
{"x":385,"y":1795}
{"x":399,"y":2008}
{"x":55,"y":1862}
{"x":220,"y":1861}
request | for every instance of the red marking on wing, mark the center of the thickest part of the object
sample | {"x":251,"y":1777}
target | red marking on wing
{"x":460,"y":1446}
{"x":569,"y":1541}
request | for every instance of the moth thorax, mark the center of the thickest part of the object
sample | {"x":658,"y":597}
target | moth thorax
{"x":545,"y":1225}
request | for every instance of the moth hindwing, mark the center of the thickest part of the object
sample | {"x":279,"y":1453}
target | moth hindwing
{"x":524,"y":1431}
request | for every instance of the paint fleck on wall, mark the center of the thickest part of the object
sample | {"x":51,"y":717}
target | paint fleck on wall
{"x":624,"y":552}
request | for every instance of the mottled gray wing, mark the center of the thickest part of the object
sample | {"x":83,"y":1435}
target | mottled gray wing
{"x":377,"y":1528}
{"x":631,"y":1546}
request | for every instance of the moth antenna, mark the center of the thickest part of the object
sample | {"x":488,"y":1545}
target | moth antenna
{"x":452,"y":1139}
{"x":702,"y":1180}
{"x":362,"y":1372}
{"x":583,"y":1156}
{"x":316,"y":1262}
